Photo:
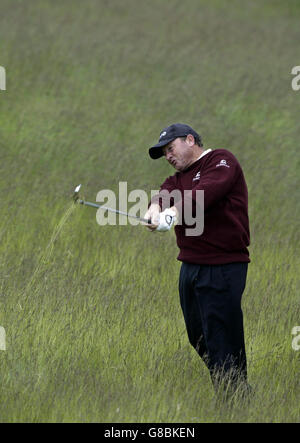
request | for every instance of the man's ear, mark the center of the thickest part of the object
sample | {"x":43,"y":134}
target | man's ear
{"x":190,"y":140}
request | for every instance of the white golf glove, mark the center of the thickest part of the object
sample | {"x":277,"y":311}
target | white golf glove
{"x":167,"y":219}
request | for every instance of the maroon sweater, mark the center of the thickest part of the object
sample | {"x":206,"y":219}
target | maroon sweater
{"x":226,"y":225}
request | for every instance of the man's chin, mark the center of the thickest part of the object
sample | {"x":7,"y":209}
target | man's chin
{"x":176,"y":166}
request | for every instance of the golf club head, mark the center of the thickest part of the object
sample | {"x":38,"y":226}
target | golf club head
{"x":76,"y":193}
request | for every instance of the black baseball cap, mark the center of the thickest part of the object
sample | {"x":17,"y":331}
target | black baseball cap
{"x":169,"y":134}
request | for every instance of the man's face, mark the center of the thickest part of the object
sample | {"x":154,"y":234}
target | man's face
{"x":178,"y":153}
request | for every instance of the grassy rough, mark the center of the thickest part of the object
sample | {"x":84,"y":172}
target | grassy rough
{"x":92,"y":317}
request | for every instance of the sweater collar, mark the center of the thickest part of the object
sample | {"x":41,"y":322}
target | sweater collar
{"x":196,"y":161}
{"x":203,"y":154}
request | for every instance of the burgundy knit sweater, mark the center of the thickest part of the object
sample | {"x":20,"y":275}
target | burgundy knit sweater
{"x":225,"y":236}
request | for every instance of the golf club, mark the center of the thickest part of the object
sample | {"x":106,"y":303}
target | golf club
{"x":77,"y":199}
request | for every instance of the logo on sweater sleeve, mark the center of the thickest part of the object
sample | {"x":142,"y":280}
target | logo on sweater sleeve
{"x":223,"y":163}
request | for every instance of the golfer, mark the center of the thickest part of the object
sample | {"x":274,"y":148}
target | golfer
{"x":215,"y":261}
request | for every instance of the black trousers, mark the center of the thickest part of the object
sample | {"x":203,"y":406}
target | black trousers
{"x":210,"y":297}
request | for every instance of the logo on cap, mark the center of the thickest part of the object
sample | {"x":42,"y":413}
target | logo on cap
{"x":163,"y":134}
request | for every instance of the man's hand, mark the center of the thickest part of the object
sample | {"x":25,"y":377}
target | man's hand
{"x":167,"y":219}
{"x":153,"y":215}
{"x":161,"y":221}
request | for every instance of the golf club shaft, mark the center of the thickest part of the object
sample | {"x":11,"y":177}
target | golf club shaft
{"x":116,"y":211}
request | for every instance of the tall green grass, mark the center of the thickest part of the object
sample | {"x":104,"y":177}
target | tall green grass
{"x":92,"y":317}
